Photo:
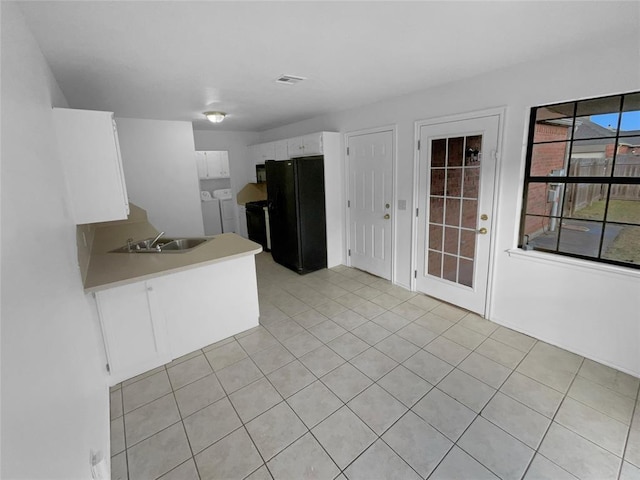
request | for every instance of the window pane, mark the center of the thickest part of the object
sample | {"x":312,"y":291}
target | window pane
{"x":627,"y":165}
{"x":597,"y":118}
{"x":544,"y":199}
{"x":580,"y":237}
{"x":541,"y":231}
{"x":456,"y":148}
{"x":630,"y":124}
{"x":438,"y":152}
{"x":592,"y":158}
{"x":585,"y":201}
{"x":625,"y":246}
{"x":547,"y":158}
{"x":554,"y":123}
{"x":621,"y":207}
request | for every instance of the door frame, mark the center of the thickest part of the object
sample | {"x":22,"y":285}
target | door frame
{"x":500,"y":112}
{"x":394,"y":175}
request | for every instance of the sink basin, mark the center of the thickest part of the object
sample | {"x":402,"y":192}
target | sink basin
{"x":181,"y":244}
{"x":164,"y":245}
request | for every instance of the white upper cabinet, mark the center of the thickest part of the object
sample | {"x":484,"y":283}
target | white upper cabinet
{"x":213,"y":164}
{"x":305,"y":146}
{"x":266,"y":151}
{"x":90,"y":155}
{"x":281,"y":150}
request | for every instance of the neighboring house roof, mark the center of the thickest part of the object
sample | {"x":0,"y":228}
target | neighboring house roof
{"x":586,"y":129}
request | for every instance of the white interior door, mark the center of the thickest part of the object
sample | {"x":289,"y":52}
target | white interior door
{"x":457,"y":165}
{"x":370,"y":197}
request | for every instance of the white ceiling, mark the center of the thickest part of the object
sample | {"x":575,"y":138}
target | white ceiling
{"x":173,"y":60}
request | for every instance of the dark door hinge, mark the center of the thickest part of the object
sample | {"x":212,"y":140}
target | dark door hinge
{"x":349,"y":252}
{"x":108,"y":368}
{"x":418,"y":144}
{"x":415,"y":274}
{"x":348,"y":203}
{"x":417,"y":211}
{"x":347,"y":150}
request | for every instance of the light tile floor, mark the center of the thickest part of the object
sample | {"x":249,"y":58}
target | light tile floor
{"x":351,"y":377}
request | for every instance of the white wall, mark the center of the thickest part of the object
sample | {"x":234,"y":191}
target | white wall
{"x":54,"y":388}
{"x":555,"y":303}
{"x":161,"y":175}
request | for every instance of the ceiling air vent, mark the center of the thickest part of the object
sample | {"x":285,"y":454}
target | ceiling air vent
{"x":289,"y":79}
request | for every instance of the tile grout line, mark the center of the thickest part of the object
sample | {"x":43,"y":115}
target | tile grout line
{"x":546,"y":432}
{"x":626,"y":440}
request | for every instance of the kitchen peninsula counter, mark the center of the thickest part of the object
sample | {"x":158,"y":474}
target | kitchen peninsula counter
{"x":108,"y":270}
{"x":155,"y":307}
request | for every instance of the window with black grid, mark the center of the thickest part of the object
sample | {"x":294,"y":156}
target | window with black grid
{"x":582,"y":180}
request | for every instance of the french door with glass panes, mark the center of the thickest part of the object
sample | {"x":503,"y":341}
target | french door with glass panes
{"x":457,"y":165}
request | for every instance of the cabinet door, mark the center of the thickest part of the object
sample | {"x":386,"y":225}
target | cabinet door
{"x":312,"y":144}
{"x":201,"y":164}
{"x":90,"y":155}
{"x":224,"y":164}
{"x":254,"y":154}
{"x":267,"y":151}
{"x":134,"y":330}
{"x":213,"y":164}
{"x":295,"y":147}
{"x":281,"y":150}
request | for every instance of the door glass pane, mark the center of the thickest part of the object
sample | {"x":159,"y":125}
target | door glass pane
{"x":439,"y":153}
{"x":471,"y":181}
{"x":465,"y":272}
{"x":451,"y":240}
{"x":450,"y":268}
{"x":454,"y":180}
{"x":456,"y":148}
{"x":435,"y":237}
{"x":436,"y":210}
{"x":435,"y":263}
{"x":437,"y":181}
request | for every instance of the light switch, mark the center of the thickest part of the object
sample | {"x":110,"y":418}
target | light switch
{"x":402,"y":204}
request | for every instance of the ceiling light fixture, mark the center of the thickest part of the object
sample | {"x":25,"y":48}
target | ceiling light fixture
{"x":215,"y":117}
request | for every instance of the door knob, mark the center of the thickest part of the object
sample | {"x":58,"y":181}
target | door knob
{"x":387,"y":216}
{"x":484,"y":216}
{"x":482,"y":231}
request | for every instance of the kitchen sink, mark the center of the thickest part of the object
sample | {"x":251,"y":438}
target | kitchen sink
{"x":164,"y":245}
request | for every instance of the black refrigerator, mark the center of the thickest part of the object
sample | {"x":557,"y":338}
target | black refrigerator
{"x":297,"y":218}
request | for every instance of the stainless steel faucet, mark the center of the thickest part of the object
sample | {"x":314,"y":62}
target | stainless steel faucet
{"x":156,"y":239}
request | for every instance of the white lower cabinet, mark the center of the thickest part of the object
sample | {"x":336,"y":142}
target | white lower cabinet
{"x":134,"y":329}
{"x":147,"y":324}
